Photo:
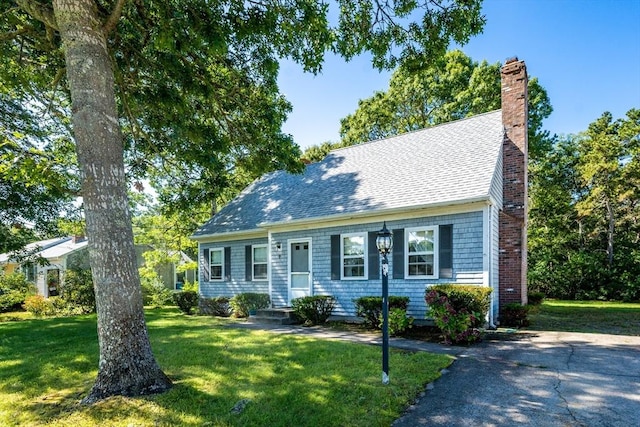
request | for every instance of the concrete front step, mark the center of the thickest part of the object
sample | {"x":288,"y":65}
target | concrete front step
{"x":274,"y":316}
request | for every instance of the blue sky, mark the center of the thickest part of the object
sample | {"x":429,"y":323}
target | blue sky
{"x":585,"y":53}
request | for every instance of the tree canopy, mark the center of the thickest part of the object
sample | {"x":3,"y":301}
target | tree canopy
{"x":449,"y":88}
{"x":584,"y":226}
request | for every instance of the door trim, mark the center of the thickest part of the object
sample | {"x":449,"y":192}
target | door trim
{"x":310,"y":255}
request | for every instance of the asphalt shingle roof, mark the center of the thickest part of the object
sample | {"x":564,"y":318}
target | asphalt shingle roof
{"x":448,"y":163}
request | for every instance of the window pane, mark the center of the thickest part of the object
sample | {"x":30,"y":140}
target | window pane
{"x":354,"y":271}
{"x":216,"y":272}
{"x":216,"y":257}
{"x":260,"y":271}
{"x":420,"y":265}
{"x":354,"y":261}
{"x":260,"y":254}
{"x":421,"y":241}
{"x":354,"y":245}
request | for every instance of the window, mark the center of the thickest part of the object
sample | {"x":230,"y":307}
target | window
{"x":216,"y":264}
{"x":259,"y":258}
{"x":29,"y":271}
{"x":421,"y":248}
{"x":353,"y":253}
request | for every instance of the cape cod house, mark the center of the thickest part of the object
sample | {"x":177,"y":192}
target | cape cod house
{"x":454,"y":196}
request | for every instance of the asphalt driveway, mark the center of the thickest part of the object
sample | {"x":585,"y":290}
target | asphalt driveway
{"x":538,"y":379}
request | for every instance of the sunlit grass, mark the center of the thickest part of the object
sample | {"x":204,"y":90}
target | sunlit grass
{"x":48,"y":365}
{"x":587,"y":316}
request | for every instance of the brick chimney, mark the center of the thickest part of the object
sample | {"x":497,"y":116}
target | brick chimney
{"x":513,"y":216}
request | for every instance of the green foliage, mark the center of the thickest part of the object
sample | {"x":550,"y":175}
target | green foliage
{"x":38,"y":305}
{"x":583,"y":228}
{"x":399,"y":322}
{"x":218,"y":306}
{"x":313,"y":310}
{"x":186,"y":301}
{"x":472,"y":298}
{"x":154,"y":292}
{"x":190,"y":286}
{"x":535,"y":298}
{"x":243,"y":303}
{"x":458,"y":310}
{"x":447,"y":89}
{"x":515,"y":315}
{"x":77,"y":291}
{"x":14,"y":289}
{"x":370,"y":308}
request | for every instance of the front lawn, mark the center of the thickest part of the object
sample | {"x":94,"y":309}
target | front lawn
{"x":586,"y":316}
{"x":48,"y":365}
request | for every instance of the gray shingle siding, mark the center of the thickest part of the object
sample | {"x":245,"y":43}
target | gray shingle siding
{"x":467,"y":264}
{"x":237,"y":283}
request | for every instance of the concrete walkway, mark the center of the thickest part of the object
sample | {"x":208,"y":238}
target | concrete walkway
{"x":525,"y":378}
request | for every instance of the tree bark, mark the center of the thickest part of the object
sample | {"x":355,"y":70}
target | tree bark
{"x":127,"y":366}
{"x":610,"y":231}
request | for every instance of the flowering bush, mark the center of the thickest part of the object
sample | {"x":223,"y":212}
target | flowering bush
{"x":457,"y":325}
{"x":38,"y":306}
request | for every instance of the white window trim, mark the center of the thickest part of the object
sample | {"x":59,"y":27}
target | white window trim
{"x":211,"y":251}
{"x":407,"y":232}
{"x":365,"y":255}
{"x":253,"y":263}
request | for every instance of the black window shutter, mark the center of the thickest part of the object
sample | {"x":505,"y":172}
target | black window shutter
{"x":374,"y":256}
{"x":227,"y":263}
{"x":248,"y":263}
{"x":335,"y":257}
{"x":205,"y":265}
{"x":445,"y":251}
{"x":398,"y":253}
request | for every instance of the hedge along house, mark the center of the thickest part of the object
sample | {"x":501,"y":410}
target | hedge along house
{"x":454,"y":196}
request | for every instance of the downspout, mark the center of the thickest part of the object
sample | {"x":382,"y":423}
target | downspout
{"x":489,"y":280}
{"x":270,"y":240}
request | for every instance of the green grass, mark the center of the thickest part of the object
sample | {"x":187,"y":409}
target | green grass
{"x":48,"y":365}
{"x":586,"y":316}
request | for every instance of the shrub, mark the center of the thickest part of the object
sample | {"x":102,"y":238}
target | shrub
{"x":242,"y":304}
{"x":313,"y":310}
{"x":515,"y":315}
{"x":77,"y":292}
{"x":14,"y":289}
{"x":370,"y":308}
{"x":458,"y":310}
{"x":38,"y":305}
{"x":399,"y":322}
{"x":535,"y":298}
{"x":154,"y":292}
{"x":218,"y":306}
{"x":472,"y":298}
{"x":190,"y":286}
{"x":186,"y":301}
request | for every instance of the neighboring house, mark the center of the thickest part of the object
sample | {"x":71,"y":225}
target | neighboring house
{"x":50,"y":259}
{"x":453,"y":195}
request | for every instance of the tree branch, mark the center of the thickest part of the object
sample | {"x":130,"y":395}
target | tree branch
{"x":39,"y":11}
{"x":13,"y":34}
{"x":113,"y":19}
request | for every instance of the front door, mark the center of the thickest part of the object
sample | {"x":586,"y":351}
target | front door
{"x":299,"y":268}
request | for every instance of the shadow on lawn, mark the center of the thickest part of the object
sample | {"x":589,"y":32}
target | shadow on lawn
{"x":289,"y":380}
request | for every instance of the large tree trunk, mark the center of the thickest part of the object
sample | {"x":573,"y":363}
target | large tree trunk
{"x":127,"y":366}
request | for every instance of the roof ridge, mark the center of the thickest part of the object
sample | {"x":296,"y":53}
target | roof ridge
{"x":439,"y":125}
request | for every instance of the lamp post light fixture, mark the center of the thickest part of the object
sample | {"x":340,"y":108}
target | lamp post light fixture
{"x":384,"y":242}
